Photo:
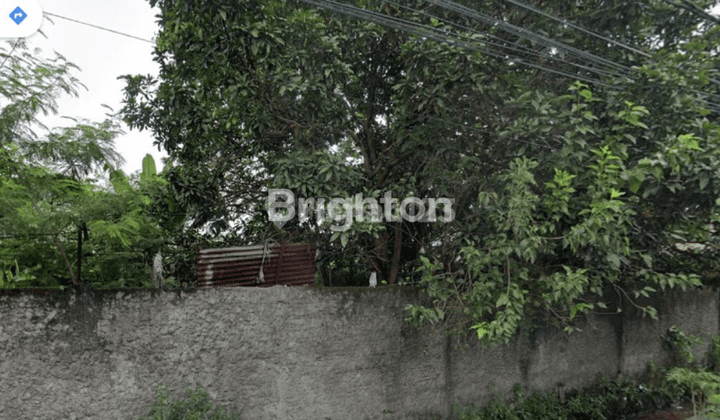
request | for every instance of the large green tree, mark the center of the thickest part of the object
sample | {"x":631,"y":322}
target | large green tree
{"x":578,"y":139}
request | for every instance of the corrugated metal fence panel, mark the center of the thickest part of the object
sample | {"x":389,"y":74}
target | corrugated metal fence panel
{"x":283,"y":263}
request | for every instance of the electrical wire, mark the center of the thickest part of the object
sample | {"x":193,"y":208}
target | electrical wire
{"x":575,"y":26}
{"x":434,"y":33}
{"x":452,"y":38}
{"x":695,"y":9}
{"x":598,"y":70}
{"x":512,"y":47}
{"x":99,"y":27}
{"x":522,"y":32}
{"x":602,"y":66}
{"x":525,"y":33}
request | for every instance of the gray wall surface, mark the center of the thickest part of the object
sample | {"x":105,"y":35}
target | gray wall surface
{"x":296,"y":353}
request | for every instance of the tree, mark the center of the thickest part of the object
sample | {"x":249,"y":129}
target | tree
{"x":52,"y":197}
{"x":578,"y":172}
{"x":30,"y":86}
{"x":232,"y":124}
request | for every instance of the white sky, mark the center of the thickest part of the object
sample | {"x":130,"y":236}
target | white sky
{"x":102,"y":57}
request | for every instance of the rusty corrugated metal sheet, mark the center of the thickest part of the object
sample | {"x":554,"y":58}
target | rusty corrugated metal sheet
{"x":283,"y":263}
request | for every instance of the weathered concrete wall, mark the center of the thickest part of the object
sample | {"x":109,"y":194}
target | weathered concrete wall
{"x":294,"y":353}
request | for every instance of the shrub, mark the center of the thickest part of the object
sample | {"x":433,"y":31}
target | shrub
{"x":196,"y":406}
{"x":703,"y":387}
{"x":620,"y":399}
{"x":681,"y":345}
{"x":714,"y":356}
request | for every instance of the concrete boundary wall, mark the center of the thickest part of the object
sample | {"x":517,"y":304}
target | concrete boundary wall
{"x":296,"y":353}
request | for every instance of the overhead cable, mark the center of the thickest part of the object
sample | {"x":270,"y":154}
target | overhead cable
{"x":512,"y":47}
{"x":433,"y":33}
{"x":524,"y":33}
{"x":574,"y":26}
{"x":695,"y":9}
{"x":99,"y":27}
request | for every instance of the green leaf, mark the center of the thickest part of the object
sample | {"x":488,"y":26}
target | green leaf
{"x":148,"y":167}
{"x":704,"y":178}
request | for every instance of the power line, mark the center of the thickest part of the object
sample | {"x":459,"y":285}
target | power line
{"x":99,"y":27}
{"x":532,"y":36}
{"x":601,"y":66}
{"x":449,"y":37}
{"x":435,"y":34}
{"x":444,"y":36}
{"x":525,"y":33}
{"x":574,"y":26}
{"x":695,"y":9}
{"x":503,"y":43}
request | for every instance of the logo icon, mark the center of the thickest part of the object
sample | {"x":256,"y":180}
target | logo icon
{"x":18,"y":15}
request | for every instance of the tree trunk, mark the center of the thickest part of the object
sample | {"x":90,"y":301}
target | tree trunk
{"x":79,"y":252}
{"x":379,"y":260}
{"x":60,"y":248}
{"x":395,"y":266}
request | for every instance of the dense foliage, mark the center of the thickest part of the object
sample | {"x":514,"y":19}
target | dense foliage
{"x":661,"y":389}
{"x":67,"y":214}
{"x":196,"y":405}
{"x":624,"y":398}
{"x":570,"y":195}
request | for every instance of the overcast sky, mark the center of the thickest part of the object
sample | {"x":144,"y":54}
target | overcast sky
{"x":102,"y":57}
